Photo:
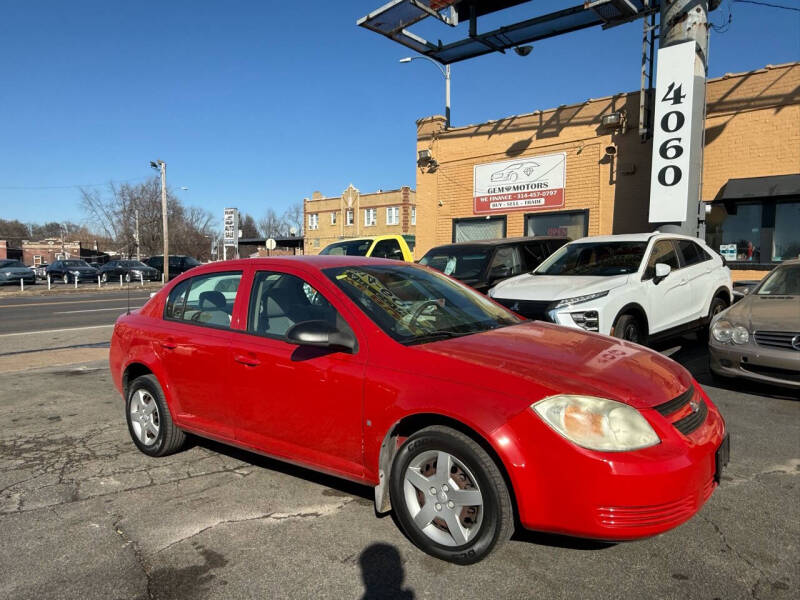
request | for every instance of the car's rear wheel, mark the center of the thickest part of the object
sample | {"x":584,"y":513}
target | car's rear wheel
{"x":149,"y":420}
{"x":127,"y":277}
{"x":449,"y":496}
{"x":629,"y":328}
{"x":65,"y":279}
{"x":104,"y":277}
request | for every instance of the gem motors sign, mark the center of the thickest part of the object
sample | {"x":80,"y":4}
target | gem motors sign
{"x":530,"y":183}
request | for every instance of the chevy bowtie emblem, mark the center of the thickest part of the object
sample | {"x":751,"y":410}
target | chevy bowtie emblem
{"x":796,"y":342}
{"x":694,"y":405}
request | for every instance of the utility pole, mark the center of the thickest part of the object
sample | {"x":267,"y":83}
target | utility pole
{"x":138,"y":253}
{"x":162,"y":166}
{"x":678,"y":148}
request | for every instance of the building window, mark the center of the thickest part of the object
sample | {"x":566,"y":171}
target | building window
{"x":751,"y":233}
{"x":333,"y":218}
{"x":573,"y":224}
{"x":413,"y":215}
{"x":313,"y":221}
{"x":479,"y":228}
{"x":37,"y":259}
{"x":392,"y":215}
{"x":370,"y":217}
{"x":348,"y":220}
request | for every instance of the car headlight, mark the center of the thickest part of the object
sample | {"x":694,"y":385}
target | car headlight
{"x":596,"y":423}
{"x":579,"y":299}
{"x":75,"y":272}
{"x":740,"y":335}
{"x":136,"y":271}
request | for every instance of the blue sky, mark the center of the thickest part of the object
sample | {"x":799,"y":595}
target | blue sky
{"x":256,"y":104}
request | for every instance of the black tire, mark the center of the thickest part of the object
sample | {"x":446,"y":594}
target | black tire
{"x":628,"y":327}
{"x":169,"y":438}
{"x":495,"y":518}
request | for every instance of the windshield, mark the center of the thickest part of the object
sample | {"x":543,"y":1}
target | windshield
{"x":461,"y":263}
{"x":348,"y":248}
{"x":602,"y":259}
{"x":132,"y":264}
{"x":75,"y":263}
{"x":10,"y":263}
{"x":414,"y":305}
{"x":783,"y":281}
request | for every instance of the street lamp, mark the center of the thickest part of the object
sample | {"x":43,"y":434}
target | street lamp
{"x":160,"y":165}
{"x":445,"y":70}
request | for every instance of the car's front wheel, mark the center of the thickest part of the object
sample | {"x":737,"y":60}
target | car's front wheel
{"x":65,"y":279}
{"x":629,"y":328}
{"x":449,"y":496}
{"x":149,"y":420}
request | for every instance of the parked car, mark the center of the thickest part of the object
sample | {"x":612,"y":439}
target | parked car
{"x":40,"y":270}
{"x":637,"y":287}
{"x":377,"y":246}
{"x":462,"y":415}
{"x":743,"y":287}
{"x":177,"y":264}
{"x":70,"y":270}
{"x":758,"y":338}
{"x":129,"y":270}
{"x":482,"y":264}
{"x":12,"y":271}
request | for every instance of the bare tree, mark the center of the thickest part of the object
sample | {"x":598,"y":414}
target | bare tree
{"x":272,"y":225}
{"x":293,"y":218}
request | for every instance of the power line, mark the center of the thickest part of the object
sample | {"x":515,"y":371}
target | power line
{"x":769,"y":5}
{"x":74,"y":185}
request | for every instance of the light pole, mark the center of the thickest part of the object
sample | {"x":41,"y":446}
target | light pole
{"x":445,"y":70}
{"x":162,"y":166}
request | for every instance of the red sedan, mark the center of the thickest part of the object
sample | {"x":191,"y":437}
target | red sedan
{"x":462,"y":415}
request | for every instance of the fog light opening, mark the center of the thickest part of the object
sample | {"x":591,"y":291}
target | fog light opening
{"x":588,"y":320}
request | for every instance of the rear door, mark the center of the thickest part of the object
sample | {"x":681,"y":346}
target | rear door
{"x":193,"y":345}
{"x":297,"y":402}
{"x":697,"y":265}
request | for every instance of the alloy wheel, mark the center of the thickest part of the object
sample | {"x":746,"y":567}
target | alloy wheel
{"x":145,"y":419}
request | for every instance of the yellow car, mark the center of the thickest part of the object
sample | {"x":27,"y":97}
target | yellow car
{"x":377,"y":246}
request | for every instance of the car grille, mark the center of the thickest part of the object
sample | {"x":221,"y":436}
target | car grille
{"x":530,"y":309}
{"x":787,"y":374}
{"x":678,"y":406}
{"x":669,"y":513}
{"x":777,"y":339}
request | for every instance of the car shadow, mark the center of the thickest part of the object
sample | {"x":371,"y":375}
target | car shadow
{"x":554,"y":540}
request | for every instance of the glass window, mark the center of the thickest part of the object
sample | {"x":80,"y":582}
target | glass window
{"x":392,"y":215}
{"x":603,"y":259}
{"x":742,"y":228}
{"x":413,"y":215}
{"x":663,"y":252}
{"x":208,"y":301}
{"x":370,"y":217}
{"x":573,"y":225}
{"x":10,"y":263}
{"x":414,"y":305}
{"x":461,"y":262}
{"x":313,"y":221}
{"x":470,"y":230}
{"x":692,"y":253}
{"x":786,"y":240}
{"x":349,"y":217}
{"x":348,"y":248}
{"x":280,"y":300}
{"x":388,"y":249}
{"x":333,"y":218}
{"x":505,"y":263}
{"x":533,"y":254}
{"x":784,"y":280}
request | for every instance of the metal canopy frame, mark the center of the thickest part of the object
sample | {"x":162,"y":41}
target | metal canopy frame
{"x":393,"y":19}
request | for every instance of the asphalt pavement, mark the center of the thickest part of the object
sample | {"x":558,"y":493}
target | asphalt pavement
{"x":84,"y":515}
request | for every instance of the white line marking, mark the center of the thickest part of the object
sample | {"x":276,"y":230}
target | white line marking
{"x":72,"y":312}
{"x":55,"y":330}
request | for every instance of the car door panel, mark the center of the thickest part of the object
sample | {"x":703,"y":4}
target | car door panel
{"x":670,"y":300}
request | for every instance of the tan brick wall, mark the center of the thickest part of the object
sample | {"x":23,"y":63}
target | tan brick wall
{"x":753,"y":129}
{"x":352,"y":198}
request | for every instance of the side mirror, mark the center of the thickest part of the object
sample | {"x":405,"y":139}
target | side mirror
{"x":662,"y":270}
{"x":320,"y":334}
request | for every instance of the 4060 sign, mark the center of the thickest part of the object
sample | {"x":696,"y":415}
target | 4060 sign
{"x":680,"y":97}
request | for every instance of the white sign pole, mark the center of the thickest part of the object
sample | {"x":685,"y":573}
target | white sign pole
{"x":678,"y":137}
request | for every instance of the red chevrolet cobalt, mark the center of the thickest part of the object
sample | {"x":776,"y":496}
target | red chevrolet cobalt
{"x":462,"y":415}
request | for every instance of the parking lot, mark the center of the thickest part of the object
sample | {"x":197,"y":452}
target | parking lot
{"x":85,"y":515}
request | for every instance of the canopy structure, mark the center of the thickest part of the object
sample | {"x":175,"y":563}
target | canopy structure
{"x":393,"y":19}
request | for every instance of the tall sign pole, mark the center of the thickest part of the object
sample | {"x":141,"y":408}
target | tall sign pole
{"x":163,"y":166}
{"x":679,"y":123}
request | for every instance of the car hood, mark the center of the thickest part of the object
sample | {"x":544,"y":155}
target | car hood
{"x":770,"y":313}
{"x":554,"y":287}
{"x":536,"y":359}
{"x":16,"y":270}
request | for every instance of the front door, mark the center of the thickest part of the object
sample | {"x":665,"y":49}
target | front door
{"x":670,"y":299}
{"x":297,"y":402}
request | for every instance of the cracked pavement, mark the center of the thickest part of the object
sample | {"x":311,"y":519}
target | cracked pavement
{"x":84,"y":515}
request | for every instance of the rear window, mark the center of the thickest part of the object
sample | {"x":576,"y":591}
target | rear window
{"x":458,"y":261}
{"x":348,"y":248}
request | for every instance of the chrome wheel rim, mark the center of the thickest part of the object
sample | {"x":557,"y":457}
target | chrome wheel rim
{"x":66,"y":279}
{"x":446,"y":503}
{"x":104,"y":277}
{"x":145,"y":419}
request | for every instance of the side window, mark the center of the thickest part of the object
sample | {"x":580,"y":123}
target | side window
{"x":207,"y":299}
{"x":663,"y":252}
{"x":387,"y":249}
{"x":692,"y":253}
{"x":280,"y":300}
{"x":533,"y":254}
{"x":505,"y":263}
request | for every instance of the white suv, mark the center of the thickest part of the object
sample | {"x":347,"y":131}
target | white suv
{"x":637,"y":287}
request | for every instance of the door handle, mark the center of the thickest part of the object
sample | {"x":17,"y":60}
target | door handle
{"x":169,"y":345}
{"x":246,"y":360}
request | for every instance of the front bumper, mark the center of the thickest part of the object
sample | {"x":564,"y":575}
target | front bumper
{"x":757,"y":363}
{"x":562,"y":488}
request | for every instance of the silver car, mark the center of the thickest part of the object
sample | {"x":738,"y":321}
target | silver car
{"x":758,"y":338}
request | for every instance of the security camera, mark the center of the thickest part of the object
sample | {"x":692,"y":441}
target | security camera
{"x":611,"y":150}
{"x":523,"y":50}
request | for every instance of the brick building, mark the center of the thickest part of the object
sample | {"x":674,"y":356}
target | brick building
{"x":751,"y":172}
{"x":353,"y":214}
